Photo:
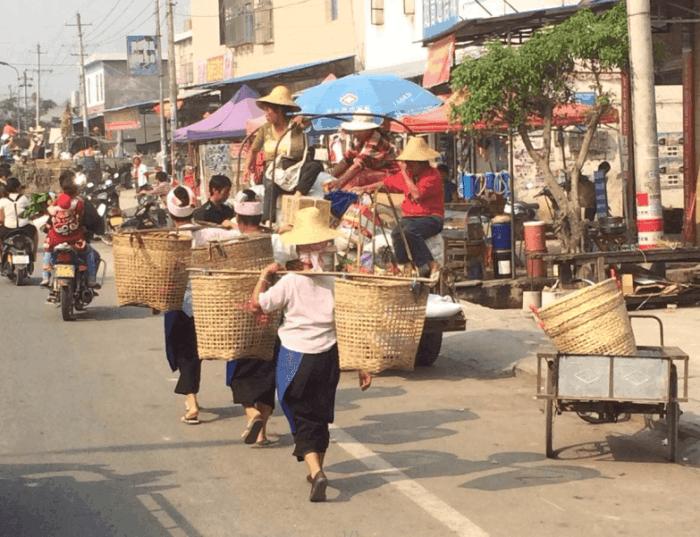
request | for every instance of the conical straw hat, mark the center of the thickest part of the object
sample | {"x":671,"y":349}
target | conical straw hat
{"x":280,"y":96}
{"x":418,"y":150}
{"x":360,"y":123}
{"x":309,"y":228}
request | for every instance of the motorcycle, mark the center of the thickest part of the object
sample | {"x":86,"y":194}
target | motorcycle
{"x":69,"y":277}
{"x":17,"y":258}
{"x":105,"y":199}
{"x":149,"y":214}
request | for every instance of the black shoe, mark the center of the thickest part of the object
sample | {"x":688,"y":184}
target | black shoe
{"x":318,"y":488}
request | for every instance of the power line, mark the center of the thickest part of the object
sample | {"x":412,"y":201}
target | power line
{"x":106,"y":17}
{"x":119,"y":33}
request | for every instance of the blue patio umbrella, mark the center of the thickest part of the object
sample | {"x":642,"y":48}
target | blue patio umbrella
{"x":386,"y":95}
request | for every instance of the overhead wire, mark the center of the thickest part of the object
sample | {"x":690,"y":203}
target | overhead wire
{"x":92,"y":31}
{"x":119,"y":33}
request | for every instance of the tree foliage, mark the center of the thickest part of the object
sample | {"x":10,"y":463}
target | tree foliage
{"x":511,"y":84}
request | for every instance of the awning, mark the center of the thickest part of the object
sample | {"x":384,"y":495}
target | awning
{"x":440,"y":120}
{"x":475,"y":31}
{"x":268,"y":74}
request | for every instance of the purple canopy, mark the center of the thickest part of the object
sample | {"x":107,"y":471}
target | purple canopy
{"x":227,"y":122}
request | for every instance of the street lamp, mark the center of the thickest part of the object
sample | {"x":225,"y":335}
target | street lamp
{"x":19,"y":117}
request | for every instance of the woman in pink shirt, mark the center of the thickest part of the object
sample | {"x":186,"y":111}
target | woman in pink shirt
{"x":307,"y":365}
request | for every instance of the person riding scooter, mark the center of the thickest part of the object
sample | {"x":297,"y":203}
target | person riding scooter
{"x":68,"y":219}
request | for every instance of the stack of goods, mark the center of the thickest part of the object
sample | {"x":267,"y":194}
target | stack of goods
{"x":501,"y":230}
{"x":378,"y":323}
{"x":249,"y":252}
{"x":227,"y":328}
{"x":591,"y":320}
{"x":535,"y":243}
{"x":150,"y":268}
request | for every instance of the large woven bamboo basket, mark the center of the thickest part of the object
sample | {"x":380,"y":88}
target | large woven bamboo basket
{"x":591,"y":320}
{"x":150,"y":268}
{"x":226,"y":329}
{"x":243,"y":253}
{"x":378,"y":323}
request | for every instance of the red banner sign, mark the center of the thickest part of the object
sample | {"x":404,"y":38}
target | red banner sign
{"x":440,"y":57}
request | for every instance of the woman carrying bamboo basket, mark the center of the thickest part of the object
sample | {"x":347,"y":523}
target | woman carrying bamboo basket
{"x":307,"y":364}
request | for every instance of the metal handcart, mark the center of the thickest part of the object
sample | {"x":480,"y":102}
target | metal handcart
{"x":603,"y":388}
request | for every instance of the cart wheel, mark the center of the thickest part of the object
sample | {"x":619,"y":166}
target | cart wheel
{"x":672,"y":417}
{"x":549,"y":414}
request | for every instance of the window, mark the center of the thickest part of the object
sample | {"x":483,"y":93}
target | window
{"x":409,"y":7}
{"x":263,"y":22}
{"x":236,"y":22}
{"x":377,"y":12}
{"x":332,"y":10}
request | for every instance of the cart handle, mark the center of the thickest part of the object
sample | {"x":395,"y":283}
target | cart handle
{"x":661,"y":324}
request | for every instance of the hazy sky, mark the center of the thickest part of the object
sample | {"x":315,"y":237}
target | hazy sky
{"x":28,"y":22}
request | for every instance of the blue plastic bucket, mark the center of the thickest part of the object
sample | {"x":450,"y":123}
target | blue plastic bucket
{"x":490,"y":178}
{"x":500,"y":235}
{"x":468,"y":186}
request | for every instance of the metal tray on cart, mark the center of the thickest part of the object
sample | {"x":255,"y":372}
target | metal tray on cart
{"x":644,"y":383}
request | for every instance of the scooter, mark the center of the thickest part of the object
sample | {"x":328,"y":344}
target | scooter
{"x":17,"y":258}
{"x":105,"y":198}
{"x":69,"y":277}
{"x":148,"y":215}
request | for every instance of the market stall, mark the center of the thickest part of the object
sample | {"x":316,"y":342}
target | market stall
{"x":215,"y":140}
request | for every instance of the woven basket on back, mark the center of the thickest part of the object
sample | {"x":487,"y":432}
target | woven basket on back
{"x":150,"y":268}
{"x":226,"y":330}
{"x":592,"y":320}
{"x":378,"y":323}
{"x":243,"y":253}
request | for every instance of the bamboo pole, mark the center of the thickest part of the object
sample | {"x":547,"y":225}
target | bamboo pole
{"x":309,"y":273}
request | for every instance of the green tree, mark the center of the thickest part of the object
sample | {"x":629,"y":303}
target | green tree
{"x":510,"y":84}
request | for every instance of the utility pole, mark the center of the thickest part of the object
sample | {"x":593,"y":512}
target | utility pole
{"x":172,"y":73}
{"x":83,"y":85}
{"x":646,"y":150}
{"x":161,"y":89}
{"x":25,"y":85}
{"x":38,"y":71}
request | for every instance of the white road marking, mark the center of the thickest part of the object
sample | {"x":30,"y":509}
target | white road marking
{"x":426,"y":500}
{"x":553,"y":504}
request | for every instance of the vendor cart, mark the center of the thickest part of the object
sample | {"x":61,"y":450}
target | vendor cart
{"x":613,"y":386}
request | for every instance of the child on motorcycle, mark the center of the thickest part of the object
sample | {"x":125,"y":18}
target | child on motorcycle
{"x":67,"y":216}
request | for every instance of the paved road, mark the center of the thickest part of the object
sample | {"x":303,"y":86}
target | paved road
{"x":91,"y":444}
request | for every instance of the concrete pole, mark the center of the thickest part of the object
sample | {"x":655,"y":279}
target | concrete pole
{"x":83,"y":85}
{"x":646,"y":150}
{"x":161,"y":89}
{"x":172,"y":73}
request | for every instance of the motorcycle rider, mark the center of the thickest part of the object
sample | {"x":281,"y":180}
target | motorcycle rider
{"x":11,"y":209}
{"x":67,"y":225}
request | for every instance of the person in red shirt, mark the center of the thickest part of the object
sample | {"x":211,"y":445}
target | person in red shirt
{"x":67,"y":225}
{"x":423,"y":206}
{"x":8,"y":129}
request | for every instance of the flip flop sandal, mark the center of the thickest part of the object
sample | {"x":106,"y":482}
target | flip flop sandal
{"x":264,"y":443}
{"x":250,"y":435}
{"x":190,"y":419}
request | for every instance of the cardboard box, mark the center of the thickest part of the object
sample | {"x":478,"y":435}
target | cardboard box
{"x":292,"y":204}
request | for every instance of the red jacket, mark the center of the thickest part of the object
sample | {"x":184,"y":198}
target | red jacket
{"x":67,"y":214}
{"x":431,"y":198}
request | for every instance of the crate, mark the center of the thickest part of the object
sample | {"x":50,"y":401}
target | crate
{"x":292,"y":204}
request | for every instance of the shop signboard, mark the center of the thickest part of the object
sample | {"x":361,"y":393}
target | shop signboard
{"x":141,"y":55}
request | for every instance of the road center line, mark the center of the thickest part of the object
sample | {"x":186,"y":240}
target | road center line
{"x":426,"y":500}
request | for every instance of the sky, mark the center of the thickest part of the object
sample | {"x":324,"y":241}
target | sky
{"x":28,"y":22}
